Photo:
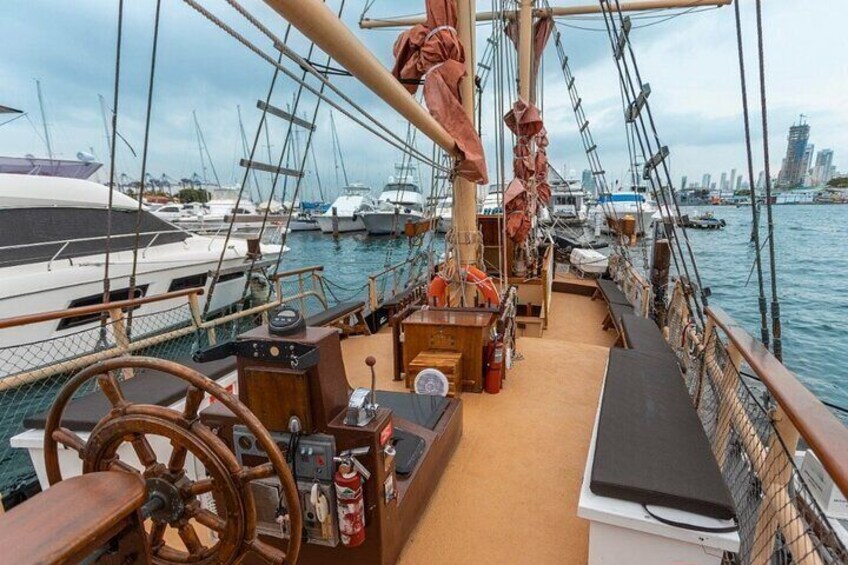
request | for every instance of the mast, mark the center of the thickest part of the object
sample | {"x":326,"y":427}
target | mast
{"x":105,"y":123}
{"x":44,"y":119}
{"x":199,"y":146}
{"x":525,"y":48}
{"x":464,"y":213}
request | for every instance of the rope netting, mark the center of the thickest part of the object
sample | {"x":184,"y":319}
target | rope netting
{"x":780,"y":521}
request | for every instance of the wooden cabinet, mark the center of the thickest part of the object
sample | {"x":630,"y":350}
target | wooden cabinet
{"x":450,"y":330}
{"x":448,"y":362}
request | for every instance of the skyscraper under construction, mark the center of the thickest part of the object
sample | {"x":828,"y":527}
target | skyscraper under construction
{"x":795,"y":163}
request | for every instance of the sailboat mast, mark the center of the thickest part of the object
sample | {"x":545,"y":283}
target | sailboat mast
{"x":199,"y":146}
{"x":525,"y":48}
{"x":44,"y":119}
{"x":105,"y":124}
{"x":464,"y":213}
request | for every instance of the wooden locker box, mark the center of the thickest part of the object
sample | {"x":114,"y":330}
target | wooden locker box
{"x":448,"y":362}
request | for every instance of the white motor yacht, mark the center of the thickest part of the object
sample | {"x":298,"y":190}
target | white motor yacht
{"x":354,"y":197}
{"x":53,"y":254}
{"x":400,"y":202}
{"x":617,"y":205}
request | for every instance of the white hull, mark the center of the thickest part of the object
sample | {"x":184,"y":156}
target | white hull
{"x":304,"y":225}
{"x":347,"y":224}
{"x":387,"y":223}
{"x":643,"y":220}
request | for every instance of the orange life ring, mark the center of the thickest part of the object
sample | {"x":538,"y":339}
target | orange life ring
{"x":438,"y":288}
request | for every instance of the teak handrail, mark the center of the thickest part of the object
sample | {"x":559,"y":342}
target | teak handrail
{"x":294,"y":272}
{"x":822,"y":431}
{"x":95,"y":308}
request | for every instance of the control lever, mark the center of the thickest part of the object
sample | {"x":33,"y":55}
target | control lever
{"x":372,"y":408}
{"x":349,"y":458}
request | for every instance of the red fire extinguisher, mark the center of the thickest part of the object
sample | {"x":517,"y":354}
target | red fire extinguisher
{"x":350,"y":505}
{"x":494,"y":376}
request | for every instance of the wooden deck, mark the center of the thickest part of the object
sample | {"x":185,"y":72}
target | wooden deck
{"x":488,"y":508}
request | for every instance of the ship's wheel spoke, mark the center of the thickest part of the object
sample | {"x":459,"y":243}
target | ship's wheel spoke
{"x":199,"y":487}
{"x":112,"y":389}
{"x":115,"y":464}
{"x":144,"y":451}
{"x":176,"y":462}
{"x":194,"y":396}
{"x":192,"y":542}
{"x":157,"y":535}
{"x":69,"y":439}
{"x":267,"y":552}
{"x":263,"y":471}
{"x":208,"y":519}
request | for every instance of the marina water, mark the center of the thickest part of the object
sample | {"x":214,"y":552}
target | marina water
{"x":812,"y":264}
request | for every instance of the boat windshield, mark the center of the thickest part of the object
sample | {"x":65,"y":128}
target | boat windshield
{"x":401,"y":187}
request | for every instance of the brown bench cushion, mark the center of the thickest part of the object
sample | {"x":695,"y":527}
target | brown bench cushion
{"x":146,"y":387}
{"x":611,"y":293}
{"x":650,"y":447}
{"x":332,"y":314}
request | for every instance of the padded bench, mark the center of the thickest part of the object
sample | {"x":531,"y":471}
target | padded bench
{"x":643,"y":334}
{"x":650,"y":447}
{"x":146,"y":387}
{"x":610,"y":292}
{"x":339,"y":315}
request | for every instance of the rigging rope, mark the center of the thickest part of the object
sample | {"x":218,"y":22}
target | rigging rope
{"x":117,"y":87}
{"x":133,"y":272}
{"x":304,"y":64}
{"x":389,"y":138}
{"x":664,"y":194}
{"x":777,"y":348}
{"x":755,"y":228}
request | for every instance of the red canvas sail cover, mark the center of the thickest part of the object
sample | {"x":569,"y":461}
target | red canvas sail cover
{"x":530,"y":185}
{"x":433,"y":50}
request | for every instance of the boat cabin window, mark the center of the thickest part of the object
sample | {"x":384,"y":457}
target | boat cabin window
{"x":191,"y":281}
{"x":240,"y":211}
{"x":169,"y":209}
{"x":114,"y":296}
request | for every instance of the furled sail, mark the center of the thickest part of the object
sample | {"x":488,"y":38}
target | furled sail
{"x":530,"y":185}
{"x":432,"y":50}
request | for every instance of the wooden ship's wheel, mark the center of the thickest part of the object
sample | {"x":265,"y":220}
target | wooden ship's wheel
{"x":173,"y":498}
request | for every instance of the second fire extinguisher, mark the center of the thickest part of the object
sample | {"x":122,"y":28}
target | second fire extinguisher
{"x":351,"y":506}
{"x":494,"y":376}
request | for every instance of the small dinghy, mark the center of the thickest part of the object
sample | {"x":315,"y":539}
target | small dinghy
{"x":588,"y":261}
{"x":705,"y":221}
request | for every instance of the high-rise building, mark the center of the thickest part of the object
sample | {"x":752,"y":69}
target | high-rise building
{"x":722,"y":185}
{"x":731,"y":182}
{"x":761,"y":180}
{"x":738,"y":182}
{"x":794,"y":164}
{"x":821,"y":170}
{"x":683,"y":182}
{"x":705,"y":181}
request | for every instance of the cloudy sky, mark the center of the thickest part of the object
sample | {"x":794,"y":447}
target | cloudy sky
{"x":690,"y":62}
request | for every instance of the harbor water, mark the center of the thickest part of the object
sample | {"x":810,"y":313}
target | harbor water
{"x":812,"y":262}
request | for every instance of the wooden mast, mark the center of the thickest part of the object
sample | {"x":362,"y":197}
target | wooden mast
{"x":525,"y":49}
{"x":464,"y":232}
{"x":640,"y":6}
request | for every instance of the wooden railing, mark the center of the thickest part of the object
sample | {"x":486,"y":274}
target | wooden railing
{"x":805,"y":415}
{"x":309,"y":284}
{"x":755,"y":434}
{"x":375,"y":298}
